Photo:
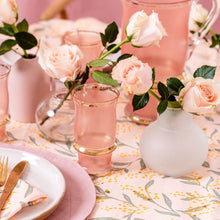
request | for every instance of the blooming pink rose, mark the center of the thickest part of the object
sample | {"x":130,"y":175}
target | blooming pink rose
{"x":8,"y":11}
{"x":135,"y":76}
{"x":200,"y":96}
{"x":62,"y":62}
{"x":146,"y":30}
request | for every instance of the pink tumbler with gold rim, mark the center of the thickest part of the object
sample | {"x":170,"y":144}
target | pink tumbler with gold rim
{"x":95,"y":126}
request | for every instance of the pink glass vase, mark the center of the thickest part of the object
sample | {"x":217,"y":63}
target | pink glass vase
{"x":4,"y":99}
{"x":89,"y":42}
{"x":170,"y":57}
{"x":95,"y":126}
{"x":28,"y":86}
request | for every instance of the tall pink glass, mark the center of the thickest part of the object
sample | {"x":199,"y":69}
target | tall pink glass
{"x":89,"y":42}
{"x":170,"y":57}
{"x":4,"y":100}
{"x":95,"y":126}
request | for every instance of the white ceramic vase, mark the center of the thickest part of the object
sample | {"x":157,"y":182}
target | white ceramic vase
{"x":28,"y":85}
{"x":174,"y":145}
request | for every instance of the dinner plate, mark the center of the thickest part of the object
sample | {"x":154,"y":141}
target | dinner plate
{"x":41,"y":174}
{"x":80,"y":195}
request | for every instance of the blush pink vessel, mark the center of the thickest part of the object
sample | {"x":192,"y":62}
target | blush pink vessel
{"x":170,"y":57}
{"x":4,"y":100}
{"x":95,"y":126}
{"x":89,"y":42}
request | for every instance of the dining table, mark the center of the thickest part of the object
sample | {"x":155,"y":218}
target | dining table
{"x":131,"y":190}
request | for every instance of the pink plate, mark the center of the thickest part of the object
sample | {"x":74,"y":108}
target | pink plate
{"x":80,"y":196}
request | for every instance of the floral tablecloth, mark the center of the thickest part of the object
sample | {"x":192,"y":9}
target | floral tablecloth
{"x":133,"y":191}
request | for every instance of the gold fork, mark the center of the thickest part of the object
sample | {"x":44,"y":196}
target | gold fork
{"x":3,"y":171}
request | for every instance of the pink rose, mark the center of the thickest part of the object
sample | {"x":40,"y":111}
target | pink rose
{"x":8,"y":11}
{"x":200,"y":96}
{"x":135,"y":76}
{"x":145,"y":30}
{"x":63,"y":62}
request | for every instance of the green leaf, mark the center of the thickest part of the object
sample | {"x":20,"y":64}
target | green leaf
{"x":7,"y":45}
{"x":167,"y":201}
{"x":22,"y":26}
{"x":111,"y":46}
{"x":142,"y":164}
{"x":162,"y":89}
{"x":85,"y":75}
{"x":7,"y":31}
{"x":174,"y":85}
{"x":217,"y":194}
{"x":150,"y":183}
{"x":127,"y":198}
{"x":207,"y":72}
{"x":26,"y":40}
{"x":124,"y":56}
{"x":162,"y":106}
{"x":153,"y":76}
{"x":211,"y":179}
{"x":104,"y":41}
{"x":104,"y":78}
{"x":111,"y":32}
{"x":140,"y":101}
{"x":99,"y":63}
{"x":167,"y":213}
{"x":206,"y":164}
{"x":215,"y":40}
{"x":28,"y":191}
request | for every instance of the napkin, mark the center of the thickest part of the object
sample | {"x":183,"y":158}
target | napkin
{"x":22,"y":195}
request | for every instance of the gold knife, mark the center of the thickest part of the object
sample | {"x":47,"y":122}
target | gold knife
{"x":12,"y":179}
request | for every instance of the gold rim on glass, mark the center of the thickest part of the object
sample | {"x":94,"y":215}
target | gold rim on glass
{"x":96,"y":86}
{"x":6,"y":120}
{"x":94,"y":152}
{"x":6,"y":72}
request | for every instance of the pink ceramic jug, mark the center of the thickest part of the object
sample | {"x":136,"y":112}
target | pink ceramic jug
{"x":168,"y":59}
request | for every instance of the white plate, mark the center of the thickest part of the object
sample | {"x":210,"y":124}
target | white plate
{"x":44,"y":176}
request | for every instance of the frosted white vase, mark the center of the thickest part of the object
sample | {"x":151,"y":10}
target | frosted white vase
{"x":28,"y":85}
{"x":174,"y":145}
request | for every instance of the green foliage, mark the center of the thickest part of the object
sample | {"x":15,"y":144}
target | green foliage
{"x":124,"y":56}
{"x":111,"y":32}
{"x":99,"y":63}
{"x":163,"y":90}
{"x":174,"y":85}
{"x":169,"y":92}
{"x":25,"y":40}
{"x":23,"y":26}
{"x":19,"y":36}
{"x":104,"y":78}
{"x":206,"y":72}
{"x":140,"y":101}
{"x":6,"y":46}
{"x":215,"y":41}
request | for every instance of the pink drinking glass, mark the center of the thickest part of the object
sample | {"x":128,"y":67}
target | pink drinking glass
{"x":89,"y":42}
{"x":4,"y":100}
{"x":95,"y":126}
{"x":170,"y":57}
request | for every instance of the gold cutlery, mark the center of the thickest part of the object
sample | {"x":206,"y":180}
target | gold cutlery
{"x":11,"y":181}
{"x":3,"y":172}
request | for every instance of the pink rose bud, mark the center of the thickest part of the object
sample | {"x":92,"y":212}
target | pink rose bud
{"x":135,"y":76}
{"x":8,"y":11}
{"x":146,"y":30}
{"x":200,"y":96}
{"x":62,"y":62}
